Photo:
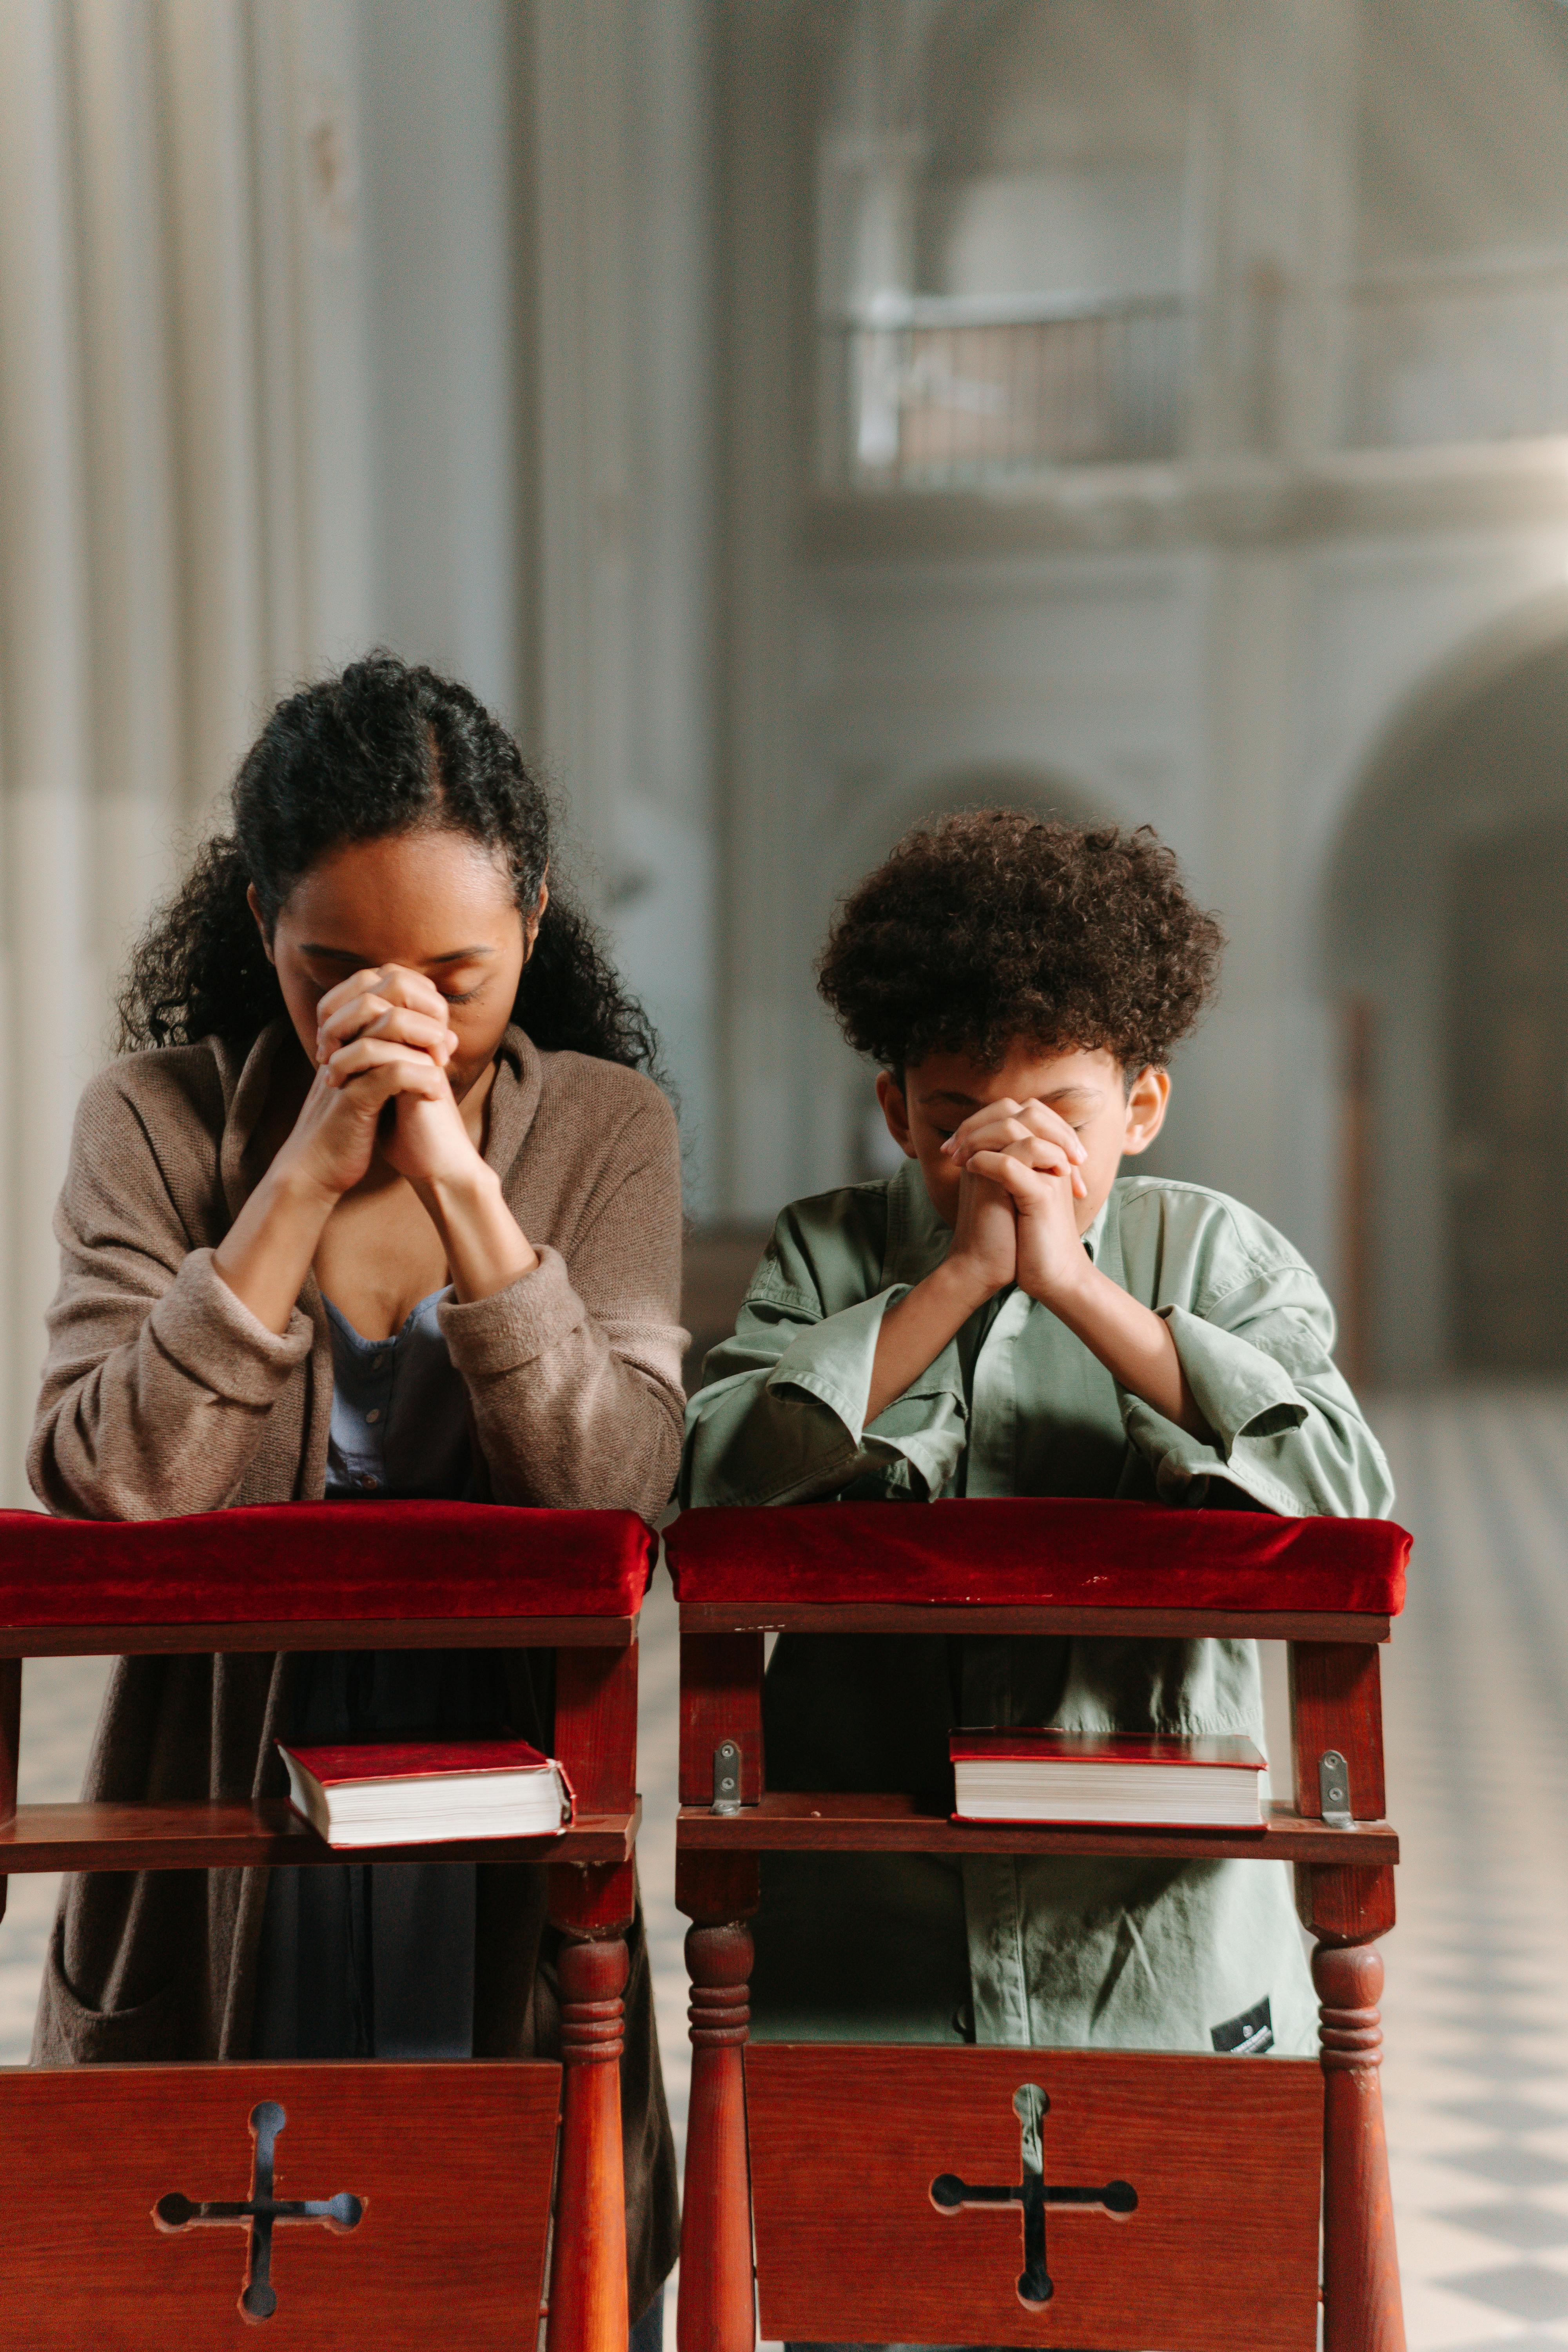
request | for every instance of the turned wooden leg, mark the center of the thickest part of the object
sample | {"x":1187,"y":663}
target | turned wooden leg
{"x":588,"y":2273}
{"x":1362,"y":2308}
{"x":10,"y":1745}
{"x":718,"y":2306}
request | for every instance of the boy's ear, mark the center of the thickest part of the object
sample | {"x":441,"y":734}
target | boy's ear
{"x":896,"y":1111}
{"x":1148,"y":1098}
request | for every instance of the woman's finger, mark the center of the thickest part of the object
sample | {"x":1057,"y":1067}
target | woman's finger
{"x":408,"y":1072}
{"x":373,"y":1017}
{"x":344,"y":991}
{"x":393,"y":983}
{"x":402,"y":985}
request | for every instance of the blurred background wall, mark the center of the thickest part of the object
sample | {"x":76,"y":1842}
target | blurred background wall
{"x":800,"y":416}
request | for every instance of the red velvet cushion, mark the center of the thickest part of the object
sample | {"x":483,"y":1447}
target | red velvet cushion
{"x":1087,"y":1555}
{"x":290,"y":1562}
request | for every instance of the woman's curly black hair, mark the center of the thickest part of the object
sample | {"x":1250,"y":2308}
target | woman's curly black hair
{"x":383,"y":748}
{"x":995,"y":925}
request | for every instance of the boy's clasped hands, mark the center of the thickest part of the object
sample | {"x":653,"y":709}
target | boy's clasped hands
{"x":1018,"y":1158}
{"x":1017,"y":1214}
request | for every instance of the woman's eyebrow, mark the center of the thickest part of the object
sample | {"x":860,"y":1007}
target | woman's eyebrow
{"x":951,"y":1095}
{"x":347,"y":955}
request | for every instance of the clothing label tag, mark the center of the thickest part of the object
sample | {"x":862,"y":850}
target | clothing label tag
{"x":1247,"y":2036}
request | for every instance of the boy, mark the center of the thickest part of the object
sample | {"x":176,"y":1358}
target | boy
{"x":1009,"y":1316}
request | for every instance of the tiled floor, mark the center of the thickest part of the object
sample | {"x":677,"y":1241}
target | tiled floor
{"x":1477,"y":2008}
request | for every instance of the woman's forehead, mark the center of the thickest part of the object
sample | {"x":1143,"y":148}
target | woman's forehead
{"x":414,"y":898}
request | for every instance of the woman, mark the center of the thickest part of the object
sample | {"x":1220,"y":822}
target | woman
{"x":380,"y":1202}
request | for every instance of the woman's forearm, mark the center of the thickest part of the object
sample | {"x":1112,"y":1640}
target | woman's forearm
{"x":487,"y":1249}
{"x":269,"y":1249}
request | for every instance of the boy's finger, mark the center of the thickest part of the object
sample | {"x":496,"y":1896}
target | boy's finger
{"x":1011,"y":1122}
{"x":1042,"y":1120}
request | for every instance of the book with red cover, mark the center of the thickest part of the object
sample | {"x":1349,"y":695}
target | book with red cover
{"x":1106,"y":1780}
{"x":426,"y":1791}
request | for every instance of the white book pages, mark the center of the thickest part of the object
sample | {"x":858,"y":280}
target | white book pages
{"x":1178,"y":1796}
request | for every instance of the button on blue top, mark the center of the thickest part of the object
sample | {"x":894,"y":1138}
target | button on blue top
{"x":399,"y":1411}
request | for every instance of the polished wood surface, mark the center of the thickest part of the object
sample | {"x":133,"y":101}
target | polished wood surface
{"x":1344,"y":1905}
{"x":1362,"y":2305}
{"x":10,"y":1732}
{"x":323,"y":1634}
{"x":588,"y":2268}
{"x":1220,"y":2253}
{"x":1131,"y":1624}
{"x":830,"y":1821}
{"x":713,"y":1887}
{"x":10,"y":1745}
{"x":595,"y":1736}
{"x":717,"y":2307}
{"x":591,"y":1899}
{"x":1336,"y":1701}
{"x":195,"y":1836}
{"x":720,"y":1698}
{"x":592,"y":1893}
{"x":452,"y":2163}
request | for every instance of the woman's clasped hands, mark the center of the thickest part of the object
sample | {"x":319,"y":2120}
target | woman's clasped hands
{"x":384,"y":1046}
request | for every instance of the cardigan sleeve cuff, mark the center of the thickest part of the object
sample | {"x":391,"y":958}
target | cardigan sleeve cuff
{"x":211,"y":1334}
{"x":487,"y":1338}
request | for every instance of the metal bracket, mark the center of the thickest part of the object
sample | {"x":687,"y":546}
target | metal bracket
{"x":727,"y":1777}
{"x":1334,"y":1789}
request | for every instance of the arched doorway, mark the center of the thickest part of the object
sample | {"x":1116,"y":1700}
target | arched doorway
{"x":1447,"y":938}
{"x":1507,"y":1095}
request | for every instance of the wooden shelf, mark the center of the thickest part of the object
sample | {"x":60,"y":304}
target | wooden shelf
{"x":832,"y":1821}
{"x":197,"y":1836}
{"x":324,"y":1633}
{"x":1133,"y":1624}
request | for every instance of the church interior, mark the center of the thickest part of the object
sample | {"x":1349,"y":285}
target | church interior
{"x":800,"y":419}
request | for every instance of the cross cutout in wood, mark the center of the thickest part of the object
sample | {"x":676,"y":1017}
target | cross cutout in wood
{"x":948,"y":2194}
{"x":256,"y":2216}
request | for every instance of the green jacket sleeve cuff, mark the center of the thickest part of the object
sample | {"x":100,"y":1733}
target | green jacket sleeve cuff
{"x":832,"y":1361}
{"x":1240,"y":1391}
{"x":1253,"y":1409}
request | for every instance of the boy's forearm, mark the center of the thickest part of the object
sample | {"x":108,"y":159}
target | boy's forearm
{"x":1133,"y":1343}
{"x":914,"y":1332}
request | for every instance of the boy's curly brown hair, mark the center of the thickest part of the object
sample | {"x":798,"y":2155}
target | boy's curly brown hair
{"x":995,"y":925}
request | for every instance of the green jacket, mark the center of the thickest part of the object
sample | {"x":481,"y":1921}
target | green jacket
{"x":1101,"y":1950}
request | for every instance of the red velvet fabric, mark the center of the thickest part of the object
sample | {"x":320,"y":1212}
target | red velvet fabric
{"x":1087,"y":1555}
{"x":292,"y":1562}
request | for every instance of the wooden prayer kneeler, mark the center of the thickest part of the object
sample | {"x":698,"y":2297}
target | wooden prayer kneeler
{"x":358,"y":2203}
{"x":889,"y":2191}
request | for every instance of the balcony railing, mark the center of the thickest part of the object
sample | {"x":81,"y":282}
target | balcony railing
{"x":1445,"y":356}
{"x":940,"y":394}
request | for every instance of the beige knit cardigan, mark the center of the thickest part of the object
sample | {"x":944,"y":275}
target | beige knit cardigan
{"x":162,"y":1393}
